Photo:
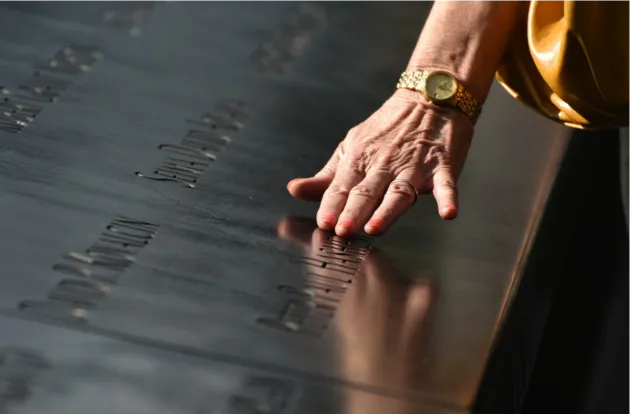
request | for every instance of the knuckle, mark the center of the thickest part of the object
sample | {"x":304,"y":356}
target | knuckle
{"x":380,"y":172}
{"x":438,"y":151}
{"x":352,"y":138}
{"x":448,"y":186}
{"x":402,"y":190}
{"x":356,"y":161}
{"x":443,"y":168}
{"x":387,"y":156}
{"x":349,"y":213}
{"x":445,"y":191}
{"x":341,"y":148}
{"x":337,"y":190}
{"x":363,"y":191}
{"x":329,"y":168}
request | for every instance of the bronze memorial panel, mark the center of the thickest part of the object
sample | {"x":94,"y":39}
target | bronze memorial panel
{"x":153,"y":261}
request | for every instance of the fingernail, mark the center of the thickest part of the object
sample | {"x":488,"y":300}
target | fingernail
{"x":345,"y":223}
{"x":448,"y":210}
{"x":375,"y":223}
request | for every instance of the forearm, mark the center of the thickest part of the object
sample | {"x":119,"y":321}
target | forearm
{"x":468,"y":39}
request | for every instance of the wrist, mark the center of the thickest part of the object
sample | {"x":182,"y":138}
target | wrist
{"x":467,"y":39}
{"x":476,"y":82}
{"x":408,"y":97}
{"x":412,"y":97}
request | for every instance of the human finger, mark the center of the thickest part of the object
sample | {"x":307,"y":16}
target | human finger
{"x":401,"y":194}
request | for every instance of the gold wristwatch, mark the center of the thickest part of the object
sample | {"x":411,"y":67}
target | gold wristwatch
{"x":442,"y":89}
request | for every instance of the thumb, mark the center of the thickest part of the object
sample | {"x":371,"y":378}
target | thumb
{"x":313,"y":188}
{"x":309,"y":189}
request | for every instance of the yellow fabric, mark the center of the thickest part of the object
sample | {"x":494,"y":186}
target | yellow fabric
{"x":569,"y":61}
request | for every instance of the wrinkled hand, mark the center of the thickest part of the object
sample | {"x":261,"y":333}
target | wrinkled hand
{"x":408,"y":138}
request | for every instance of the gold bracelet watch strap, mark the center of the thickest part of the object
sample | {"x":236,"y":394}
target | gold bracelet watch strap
{"x":441,"y":88}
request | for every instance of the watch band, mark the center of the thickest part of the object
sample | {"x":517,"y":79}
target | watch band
{"x":462,"y":99}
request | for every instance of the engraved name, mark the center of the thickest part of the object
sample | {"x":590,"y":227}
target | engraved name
{"x":92,"y":273}
{"x":198,"y":149}
{"x":286,"y":42}
{"x":46,"y":84}
{"x":309,"y":307}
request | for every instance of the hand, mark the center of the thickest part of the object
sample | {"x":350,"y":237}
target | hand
{"x":407,"y":137}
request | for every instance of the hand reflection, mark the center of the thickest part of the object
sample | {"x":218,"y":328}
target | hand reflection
{"x":380,"y":321}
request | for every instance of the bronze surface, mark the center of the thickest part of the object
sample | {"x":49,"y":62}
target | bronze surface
{"x":153,"y":260}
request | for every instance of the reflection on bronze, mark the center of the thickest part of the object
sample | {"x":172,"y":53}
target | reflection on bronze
{"x":330,"y":266}
{"x":380,"y":322}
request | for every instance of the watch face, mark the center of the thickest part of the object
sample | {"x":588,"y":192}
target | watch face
{"x":440,"y":86}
